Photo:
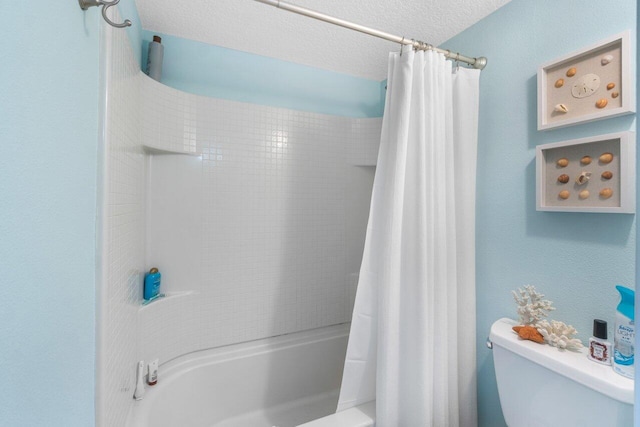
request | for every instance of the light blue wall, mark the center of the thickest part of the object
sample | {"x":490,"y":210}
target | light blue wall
{"x":48,"y":143}
{"x":218,"y":72}
{"x":128,"y":10}
{"x":574,"y":258}
{"x":637,"y":316}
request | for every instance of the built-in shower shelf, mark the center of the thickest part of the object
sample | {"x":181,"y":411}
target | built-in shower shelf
{"x":156,"y":150}
{"x":166,"y":298}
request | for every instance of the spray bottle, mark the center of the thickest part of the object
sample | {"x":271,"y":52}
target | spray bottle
{"x":624,"y":335}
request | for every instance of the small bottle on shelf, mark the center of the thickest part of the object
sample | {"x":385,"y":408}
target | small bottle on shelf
{"x":599,"y":347}
{"x":152,"y":284}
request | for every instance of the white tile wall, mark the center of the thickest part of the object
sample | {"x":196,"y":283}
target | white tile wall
{"x":274,"y":211}
{"x":124,"y":258}
{"x":363,"y":146}
{"x":259,"y":235}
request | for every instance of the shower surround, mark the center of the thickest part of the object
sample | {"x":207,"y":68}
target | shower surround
{"x":255,"y":216}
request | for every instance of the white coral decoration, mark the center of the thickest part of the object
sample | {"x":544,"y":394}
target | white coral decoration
{"x":532,"y":308}
{"x":559,"y":334}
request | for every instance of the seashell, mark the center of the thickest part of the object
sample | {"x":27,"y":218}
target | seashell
{"x":585,"y":160}
{"x":615,"y":94}
{"x":564,"y":178}
{"x":601,"y":103}
{"x":564,"y":194}
{"x":561,"y":108}
{"x":571,"y":72}
{"x":584,"y":194}
{"x":562,"y":162}
{"x":606,"y":59}
{"x":559,"y":83}
{"x":607,"y":175}
{"x":583,"y":178}
{"x":611,"y":86}
{"x":605,"y":193}
{"x":606,"y":158}
{"x":585,"y":86}
{"x":529,"y":333}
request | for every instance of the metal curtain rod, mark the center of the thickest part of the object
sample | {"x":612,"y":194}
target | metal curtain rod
{"x":478,"y":63}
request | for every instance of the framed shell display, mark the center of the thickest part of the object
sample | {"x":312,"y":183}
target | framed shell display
{"x":596,"y":174}
{"x":590,"y":84}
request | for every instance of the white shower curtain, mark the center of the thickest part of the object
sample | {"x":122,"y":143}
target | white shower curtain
{"x":412,"y":341}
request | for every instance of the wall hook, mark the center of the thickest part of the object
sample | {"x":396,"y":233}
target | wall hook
{"x":86,"y":4}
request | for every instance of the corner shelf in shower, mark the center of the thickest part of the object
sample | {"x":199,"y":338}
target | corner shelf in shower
{"x":168,"y":297}
{"x":149,"y":149}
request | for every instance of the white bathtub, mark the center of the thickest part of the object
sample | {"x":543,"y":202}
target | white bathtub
{"x":283,"y":381}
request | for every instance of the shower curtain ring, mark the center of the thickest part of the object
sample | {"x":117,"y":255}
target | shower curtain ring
{"x":401,"y":45}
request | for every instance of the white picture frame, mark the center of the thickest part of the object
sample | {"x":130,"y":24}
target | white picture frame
{"x":587,"y":63}
{"x":623,"y":168}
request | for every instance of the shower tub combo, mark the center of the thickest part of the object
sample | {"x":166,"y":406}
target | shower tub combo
{"x":283,"y":381}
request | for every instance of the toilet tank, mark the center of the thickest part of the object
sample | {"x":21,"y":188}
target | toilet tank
{"x":540,"y":385}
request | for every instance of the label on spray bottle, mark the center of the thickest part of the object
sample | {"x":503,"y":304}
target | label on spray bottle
{"x":624,"y":344}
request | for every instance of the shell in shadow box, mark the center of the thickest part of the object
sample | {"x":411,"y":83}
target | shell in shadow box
{"x":606,"y":158}
{"x":583,"y":178}
{"x":605,"y":193}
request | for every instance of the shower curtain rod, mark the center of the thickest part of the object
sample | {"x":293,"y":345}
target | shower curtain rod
{"x":478,"y":63}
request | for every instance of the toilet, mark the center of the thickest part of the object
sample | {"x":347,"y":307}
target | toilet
{"x":540,"y":385}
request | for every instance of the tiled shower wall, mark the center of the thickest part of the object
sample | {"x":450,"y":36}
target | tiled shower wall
{"x":260,"y":235}
{"x":255,"y":216}
{"x":123,"y":231}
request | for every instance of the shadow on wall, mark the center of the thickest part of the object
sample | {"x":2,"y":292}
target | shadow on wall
{"x":600,"y":228}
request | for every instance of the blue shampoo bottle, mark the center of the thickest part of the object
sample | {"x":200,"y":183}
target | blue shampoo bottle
{"x":152,"y":284}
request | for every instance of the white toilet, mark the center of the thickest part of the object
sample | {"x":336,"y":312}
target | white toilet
{"x":540,"y":385}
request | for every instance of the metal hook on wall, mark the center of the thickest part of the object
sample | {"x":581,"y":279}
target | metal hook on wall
{"x":86,"y":4}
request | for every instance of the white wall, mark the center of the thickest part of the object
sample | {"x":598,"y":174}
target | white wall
{"x":121,"y":218}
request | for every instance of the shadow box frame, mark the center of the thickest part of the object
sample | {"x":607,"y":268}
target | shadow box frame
{"x":549,"y":72}
{"x":547,"y":173}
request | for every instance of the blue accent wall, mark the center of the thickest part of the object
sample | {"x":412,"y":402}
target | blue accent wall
{"x":637,"y":316}
{"x":573,"y":258}
{"x":218,"y":72}
{"x":48,"y":141}
{"x":129,"y":11}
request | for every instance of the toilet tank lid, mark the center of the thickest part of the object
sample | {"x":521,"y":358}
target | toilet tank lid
{"x":572,"y":364}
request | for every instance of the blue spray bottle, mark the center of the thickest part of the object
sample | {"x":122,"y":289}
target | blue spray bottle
{"x":152,"y":284}
{"x":624,"y":334}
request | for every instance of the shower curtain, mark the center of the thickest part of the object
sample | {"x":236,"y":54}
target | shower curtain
{"x":412,"y":341}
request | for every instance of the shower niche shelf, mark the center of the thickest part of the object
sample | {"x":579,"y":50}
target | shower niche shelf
{"x":167,"y":298}
{"x":149,"y":149}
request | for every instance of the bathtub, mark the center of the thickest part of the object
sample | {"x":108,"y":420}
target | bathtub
{"x":283,"y":381}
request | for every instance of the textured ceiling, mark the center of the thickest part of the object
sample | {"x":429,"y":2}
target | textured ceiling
{"x":254,"y":27}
